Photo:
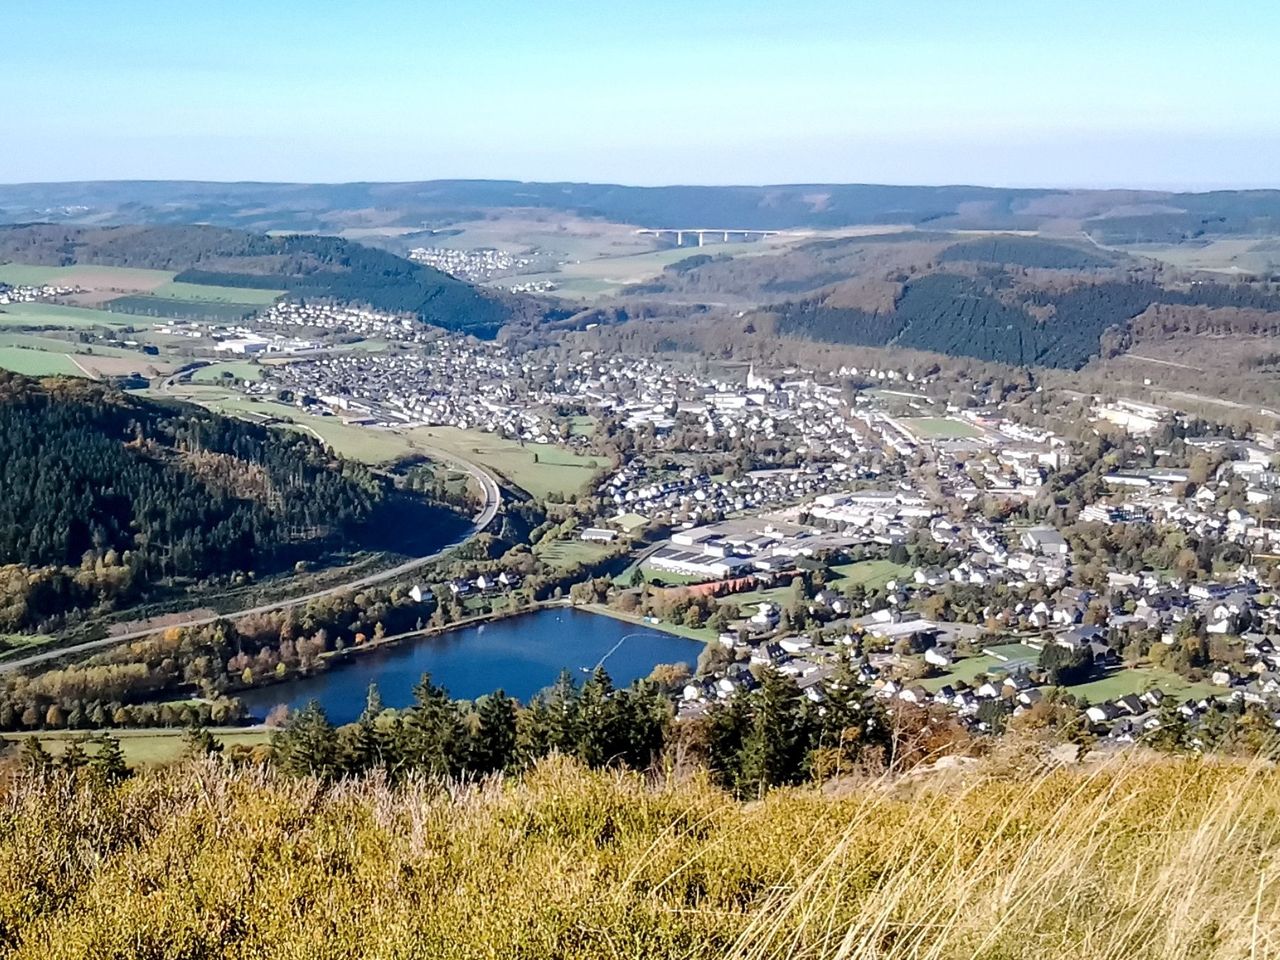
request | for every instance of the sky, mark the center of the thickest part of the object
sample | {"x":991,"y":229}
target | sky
{"x":1074,"y":93}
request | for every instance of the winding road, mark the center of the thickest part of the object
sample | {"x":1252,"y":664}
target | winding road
{"x":492,"y":501}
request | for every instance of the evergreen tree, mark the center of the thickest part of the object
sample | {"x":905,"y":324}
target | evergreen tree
{"x":73,"y":757}
{"x":108,"y":762}
{"x":599,"y":737}
{"x":564,"y":708}
{"x":643,"y":722}
{"x":365,"y":746}
{"x":493,"y":745}
{"x":775,"y":749}
{"x":535,"y":732}
{"x":1173,"y":734}
{"x":35,"y":758}
{"x":431,"y":739}
{"x":726,"y":731}
{"x":307,"y":745}
{"x":197,"y":741}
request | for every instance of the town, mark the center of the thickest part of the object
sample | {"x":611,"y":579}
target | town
{"x":1028,"y":554}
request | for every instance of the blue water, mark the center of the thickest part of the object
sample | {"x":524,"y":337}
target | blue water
{"x":520,"y":655}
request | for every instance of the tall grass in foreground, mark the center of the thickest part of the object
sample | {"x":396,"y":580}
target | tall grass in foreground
{"x":1137,"y":857}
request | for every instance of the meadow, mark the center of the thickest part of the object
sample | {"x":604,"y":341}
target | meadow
{"x":144,"y":748}
{"x":872,"y":574}
{"x":37,"y":363}
{"x":211,"y":293}
{"x":600,"y":275}
{"x":91,"y":277}
{"x":539,"y":469}
{"x":236,"y":369}
{"x":1005,"y":857}
{"x":64,"y":317}
{"x":565,"y":554}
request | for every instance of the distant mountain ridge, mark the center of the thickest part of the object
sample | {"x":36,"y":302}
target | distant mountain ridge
{"x":1113,"y":216}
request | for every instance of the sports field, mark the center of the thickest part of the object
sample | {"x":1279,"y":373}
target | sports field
{"x":940,"y":428}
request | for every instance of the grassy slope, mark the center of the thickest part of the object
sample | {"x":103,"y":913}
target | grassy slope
{"x":1138,"y":857}
{"x":57,"y":315}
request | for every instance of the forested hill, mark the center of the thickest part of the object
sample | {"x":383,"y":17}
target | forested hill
{"x":996,"y":315}
{"x":103,"y":495}
{"x":304,"y":265}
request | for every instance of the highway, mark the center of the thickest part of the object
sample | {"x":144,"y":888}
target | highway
{"x":492,"y":501}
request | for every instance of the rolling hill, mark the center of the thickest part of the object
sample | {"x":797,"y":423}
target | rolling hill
{"x":1113,"y":216}
{"x":1011,"y":299}
{"x":306,"y":266}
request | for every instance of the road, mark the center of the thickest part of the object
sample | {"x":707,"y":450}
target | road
{"x":492,"y":501}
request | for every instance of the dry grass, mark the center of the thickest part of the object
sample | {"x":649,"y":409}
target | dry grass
{"x":1137,"y":857}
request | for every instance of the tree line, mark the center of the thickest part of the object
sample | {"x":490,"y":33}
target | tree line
{"x":766,"y":736}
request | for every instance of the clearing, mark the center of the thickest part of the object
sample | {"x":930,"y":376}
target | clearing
{"x":565,"y":554}
{"x":211,"y":293}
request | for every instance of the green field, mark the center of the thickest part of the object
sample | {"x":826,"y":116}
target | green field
{"x":940,"y":428}
{"x":37,"y":363}
{"x":89,"y":276}
{"x":238,"y":369}
{"x":588,"y":278}
{"x":1138,"y":680}
{"x":145,"y":748}
{"x":965,"y":669}
{"x":537,"y":468}
{"x":872,"y":574}
{"x":582,"y":426}
{"x":57,"y":315}
{"x":564,"y":554}
{"x":701,"y":634}
{"x":177,"y":290}
{"x":51,"y":343}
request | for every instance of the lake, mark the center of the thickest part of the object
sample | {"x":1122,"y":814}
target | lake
{"x":520,"y":655}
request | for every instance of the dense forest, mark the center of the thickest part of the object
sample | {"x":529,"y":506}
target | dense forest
{"x":1031,"y":252}
{"x":326,"y":268}
{"x":989,"y":318}
{"x":102,"y":494}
